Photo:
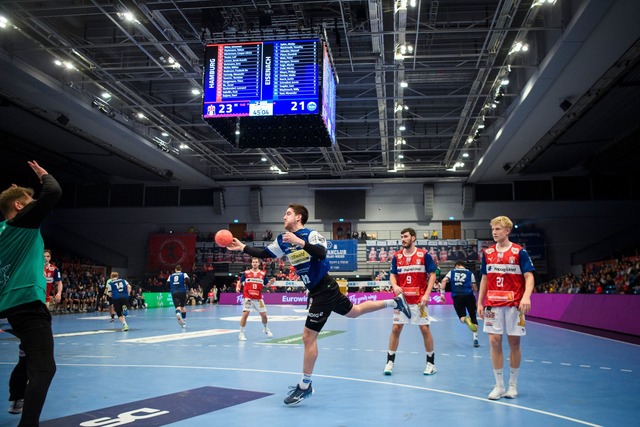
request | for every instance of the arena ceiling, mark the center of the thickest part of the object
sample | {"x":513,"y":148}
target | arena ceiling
{"x":570,"y":106}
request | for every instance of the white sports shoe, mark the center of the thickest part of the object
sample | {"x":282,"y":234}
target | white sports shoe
{"x":241,"y":337}
{"x":430,"y":369}
{"x":268,"y":332}
{"x":512,"y":392}
{"x":388,"y":368}
{"x":15,"y":406}
{"x":179,"y":319}
{"x":496,"y":393}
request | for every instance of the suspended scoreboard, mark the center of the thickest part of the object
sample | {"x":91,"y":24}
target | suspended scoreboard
{"x":270,"y":93}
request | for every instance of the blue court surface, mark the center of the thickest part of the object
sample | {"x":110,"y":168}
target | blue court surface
{"x":159,"y":374}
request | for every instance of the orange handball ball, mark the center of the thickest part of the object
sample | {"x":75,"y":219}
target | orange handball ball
{"x":224,"y":238}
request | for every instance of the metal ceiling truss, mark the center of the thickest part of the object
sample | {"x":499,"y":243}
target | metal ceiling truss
{"x":450,"y":54}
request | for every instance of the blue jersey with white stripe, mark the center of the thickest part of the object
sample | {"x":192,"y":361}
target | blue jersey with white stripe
{"x":119,"y":288}
{"x":310,"y":269}
{"x":461,"y":281}
{"x":177,"y":282}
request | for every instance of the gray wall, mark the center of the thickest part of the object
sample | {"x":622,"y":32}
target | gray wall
{"x":575,"y":231}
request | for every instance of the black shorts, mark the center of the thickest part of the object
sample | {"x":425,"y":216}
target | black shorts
{"x":325,"y":298}
{"x":466,"y":303}
{"x":179,"y":299}
{"x":118,"y":303}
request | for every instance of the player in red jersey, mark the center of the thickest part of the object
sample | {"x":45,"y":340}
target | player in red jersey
{"x":253,"y":280}
{"x":52,"y":273}
{"x":503,"y":300}
{"x":412,"y":274}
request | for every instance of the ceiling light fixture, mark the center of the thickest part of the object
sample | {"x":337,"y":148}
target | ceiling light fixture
{"x":519,"y":47}
{"x":400,"y":5}
{"x":127,"y":16}
{"x":542,"y":3}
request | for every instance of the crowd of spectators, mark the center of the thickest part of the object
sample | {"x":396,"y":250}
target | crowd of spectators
{"x":619,"y":276}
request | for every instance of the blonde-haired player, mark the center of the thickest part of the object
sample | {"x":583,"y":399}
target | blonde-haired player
{"x":119,"y":292}
{"x":503,"y":300}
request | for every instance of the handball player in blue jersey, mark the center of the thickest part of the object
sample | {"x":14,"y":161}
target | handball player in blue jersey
{"x":463,"y":286}
{"x":306,"y":250}
{"x":119,"y":291}
{"x":178,"y":283}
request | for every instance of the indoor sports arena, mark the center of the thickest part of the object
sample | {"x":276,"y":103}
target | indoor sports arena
{"x":251,"y":211}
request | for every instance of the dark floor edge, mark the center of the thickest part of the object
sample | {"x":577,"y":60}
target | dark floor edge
{"x":632,"y":339}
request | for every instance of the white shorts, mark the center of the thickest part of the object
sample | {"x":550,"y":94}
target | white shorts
{"x":257,"y":304}
{"x":418,"y":316}
{"x":501,"y":319}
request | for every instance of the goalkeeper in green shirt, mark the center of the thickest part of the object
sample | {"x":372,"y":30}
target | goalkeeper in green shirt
{"x":23,"y":292}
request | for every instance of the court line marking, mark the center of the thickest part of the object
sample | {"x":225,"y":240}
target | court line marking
{"x":197,"y":334}
{"x":88,"y":357}
{"x":384,"y":383}
{"x":179,"y":336}
{"x":272,"y":318}
{"x":77,"y":334}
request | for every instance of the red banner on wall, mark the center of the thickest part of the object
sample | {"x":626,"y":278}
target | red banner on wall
{"x":167,"y":250}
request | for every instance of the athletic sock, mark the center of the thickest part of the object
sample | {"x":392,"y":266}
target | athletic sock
{"x":184,"y":315}
{"x":391,"y":356}
{"x":513,"y":376}
{"x":305,"y":381}
{"x":431,"y":357}
{"x":498,"y":373}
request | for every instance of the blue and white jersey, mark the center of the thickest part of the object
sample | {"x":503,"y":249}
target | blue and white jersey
{"x":177,"y":282}
{"x":119,"y":288}
{"x":311,"y":270}
{"x":461,"y":280}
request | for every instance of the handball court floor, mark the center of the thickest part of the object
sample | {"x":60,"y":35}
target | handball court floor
{"x":158,"y":374}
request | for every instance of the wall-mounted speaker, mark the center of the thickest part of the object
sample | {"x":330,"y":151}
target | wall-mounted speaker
{"x":218,"y":201}
{"x":256,"y":203}
{"x":62,"y":119}
{"x":428,"y":201}
{"x":565,"y":104}
{"x":468,"y":198}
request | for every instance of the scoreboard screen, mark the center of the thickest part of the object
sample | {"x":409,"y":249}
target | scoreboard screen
{"x":328,"y":95}
{"x":266,"y":78}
